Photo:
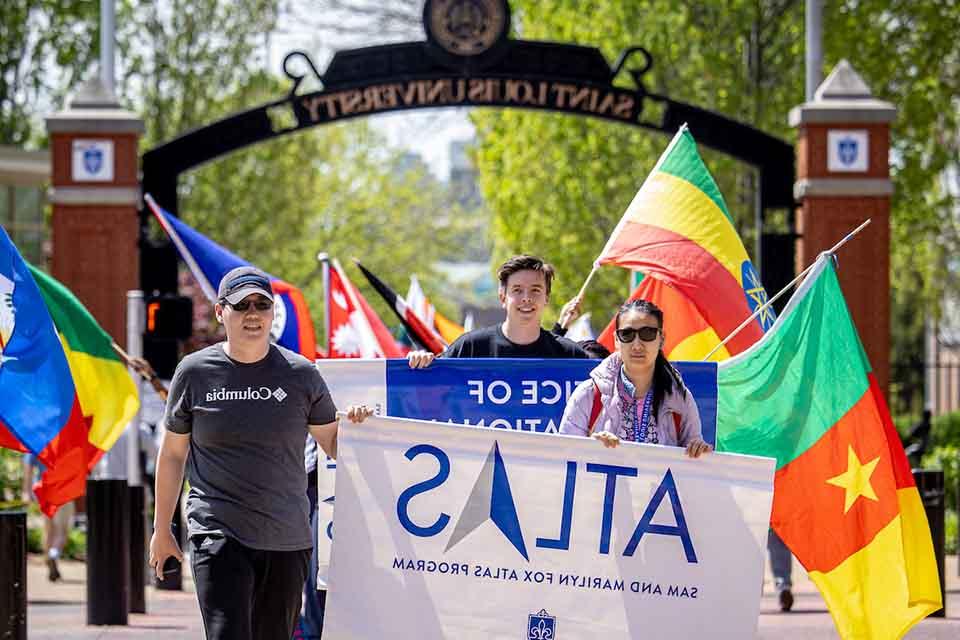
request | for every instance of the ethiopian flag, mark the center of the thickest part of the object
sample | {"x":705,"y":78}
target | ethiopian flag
{"x":678,"y":230}
{"x":105,"y":392}
{"x":686,"y":333}
{"x":844,"y":500}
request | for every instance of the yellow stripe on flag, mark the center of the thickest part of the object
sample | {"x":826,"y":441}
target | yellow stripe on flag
{"x":692,"y":214}
{"x":106,"y":391}
{"x":867,"y":594}
{"x":448,"y":329}
{"x":922,"y":576}
{"x":697,"y":345}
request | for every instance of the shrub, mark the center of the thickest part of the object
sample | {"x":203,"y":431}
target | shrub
{"x":953,"y":538}
{"x":11,"y":475}
{"x":946,"y":457}
{"x":35,"y":540}
{"x":76,"y":546}
{"x":945,"y":430}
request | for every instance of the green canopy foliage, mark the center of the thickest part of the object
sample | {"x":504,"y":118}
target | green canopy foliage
{"x":557,"y":184}
{"x":45,"y":47}
{"x":337,"y":189}
{"x":185,"y":63}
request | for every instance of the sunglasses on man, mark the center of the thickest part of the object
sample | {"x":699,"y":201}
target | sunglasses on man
{"x":244,"y":305}
{"x":647,"y":334}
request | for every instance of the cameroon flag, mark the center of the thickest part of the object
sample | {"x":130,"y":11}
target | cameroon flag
{"x":844,"y":499}
{"x":106,"y":393}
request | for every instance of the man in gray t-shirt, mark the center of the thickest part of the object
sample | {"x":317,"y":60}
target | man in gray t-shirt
{"x":246,"y":423}
{"x":236,"y":417}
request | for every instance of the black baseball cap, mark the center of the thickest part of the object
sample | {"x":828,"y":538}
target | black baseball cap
{"x":242,"y":282}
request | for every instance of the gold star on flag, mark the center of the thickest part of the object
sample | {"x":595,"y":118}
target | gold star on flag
{"x":856,"y":479}
{"x":758,"y":294}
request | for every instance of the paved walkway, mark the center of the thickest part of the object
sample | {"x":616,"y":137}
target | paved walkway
{"x":57,"y":611}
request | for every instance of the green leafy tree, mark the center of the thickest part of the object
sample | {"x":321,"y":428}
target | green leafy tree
{"x":908,"y":52}
{"x":180,"y":59}
{"x":45,"y":47}
{"x":558,"y":184}
{"x":336,"y":189}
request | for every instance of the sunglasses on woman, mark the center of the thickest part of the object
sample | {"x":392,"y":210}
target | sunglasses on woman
{"x":259,"y":305}
{"x":647,"y":334}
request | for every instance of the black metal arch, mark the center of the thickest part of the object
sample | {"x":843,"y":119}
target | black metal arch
{"x":525,"y":74}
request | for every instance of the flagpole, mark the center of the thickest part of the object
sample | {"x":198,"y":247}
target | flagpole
{"x":324,"y":259}
{"x":586,"y":283}
{"x":141,"y":366}
{"x":799,"y":277}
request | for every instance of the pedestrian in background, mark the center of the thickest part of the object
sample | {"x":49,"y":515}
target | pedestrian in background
{"x":56,"y":529}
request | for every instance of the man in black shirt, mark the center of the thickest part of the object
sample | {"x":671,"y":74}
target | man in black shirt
{"x":524,"y":292}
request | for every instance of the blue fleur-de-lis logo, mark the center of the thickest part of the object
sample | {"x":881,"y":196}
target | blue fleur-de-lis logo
{"x":847,"y":150}
{"x":756,"y":295}
{"x":93,"y":160}
{"x":541,"y":626}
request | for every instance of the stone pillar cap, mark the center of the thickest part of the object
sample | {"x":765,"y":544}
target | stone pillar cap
{"x":843,"y":97}
{"x":94,"y":109}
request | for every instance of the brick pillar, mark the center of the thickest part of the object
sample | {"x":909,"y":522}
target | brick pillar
{"x":843,"y":178}
{"x":95,"y":196}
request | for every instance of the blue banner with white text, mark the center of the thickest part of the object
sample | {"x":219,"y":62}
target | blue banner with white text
{"x":521,"y":394}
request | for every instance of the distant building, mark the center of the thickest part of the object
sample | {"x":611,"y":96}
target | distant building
{"x":24,"y":178}
{"x":409,"y":161}
{"x":464,"y":177}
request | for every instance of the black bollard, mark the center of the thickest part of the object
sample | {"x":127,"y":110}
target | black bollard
{"x":930,"y":485}
{"x":108,"y":555}
{"x":138,"y":546}
{"x":172,"y":571}
{"x":13,"y":575}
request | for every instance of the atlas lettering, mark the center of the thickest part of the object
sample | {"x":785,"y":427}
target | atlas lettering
{"x":492,"y":499}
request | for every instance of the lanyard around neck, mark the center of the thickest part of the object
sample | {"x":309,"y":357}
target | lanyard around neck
{"x":641,"y":422}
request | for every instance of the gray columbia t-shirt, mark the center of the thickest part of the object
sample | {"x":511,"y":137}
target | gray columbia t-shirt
{"x":247,"y":423}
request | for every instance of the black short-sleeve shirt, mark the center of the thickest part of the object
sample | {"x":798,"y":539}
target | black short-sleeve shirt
{"x":489,"y":342}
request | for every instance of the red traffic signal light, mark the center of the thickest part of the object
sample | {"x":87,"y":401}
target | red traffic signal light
{"x":169,"y":317}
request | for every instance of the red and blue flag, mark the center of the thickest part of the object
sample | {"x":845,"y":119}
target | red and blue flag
{"x":209,"y":262}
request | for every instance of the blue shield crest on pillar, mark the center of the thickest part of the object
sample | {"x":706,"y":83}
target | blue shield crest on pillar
{"x":847,"y":150}
{"x":93,"y":160}
{"x":541,"y":626}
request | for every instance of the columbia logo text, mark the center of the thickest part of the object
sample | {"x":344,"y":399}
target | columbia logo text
{"x":262,"y":393}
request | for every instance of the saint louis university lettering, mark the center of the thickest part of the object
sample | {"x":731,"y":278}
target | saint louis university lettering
{"x":491,"y":499}
{"x":263,"y":393}
{"x":583,"y":96}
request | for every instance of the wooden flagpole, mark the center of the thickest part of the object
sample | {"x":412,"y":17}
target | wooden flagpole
{"x":142,"y":367}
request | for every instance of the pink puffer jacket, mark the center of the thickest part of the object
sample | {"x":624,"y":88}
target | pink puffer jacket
{"x":606,"y":377}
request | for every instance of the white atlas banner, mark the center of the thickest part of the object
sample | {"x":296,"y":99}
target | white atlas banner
{"x":485,"y":533}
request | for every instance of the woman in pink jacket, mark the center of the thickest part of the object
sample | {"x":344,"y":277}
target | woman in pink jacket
{"x":635,"y":394}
